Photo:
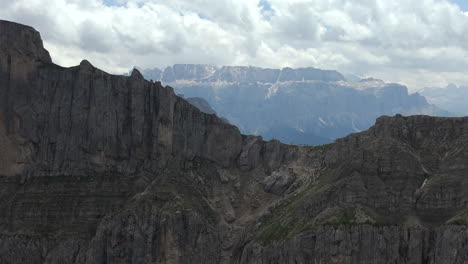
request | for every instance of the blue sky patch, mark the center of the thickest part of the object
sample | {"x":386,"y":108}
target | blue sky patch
{"x":463,"y":4}
{"x":266,"y":9}
{"x":114,"y":3}
{"x":265,"y":5}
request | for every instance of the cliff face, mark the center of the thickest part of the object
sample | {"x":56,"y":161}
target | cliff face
{"x":393,"y":194}
{"x":98,"y":168}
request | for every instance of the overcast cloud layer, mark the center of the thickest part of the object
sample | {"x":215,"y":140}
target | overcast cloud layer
{"x":415,"y":42}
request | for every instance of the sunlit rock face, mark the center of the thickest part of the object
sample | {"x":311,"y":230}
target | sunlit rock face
{"x":98,"y":168}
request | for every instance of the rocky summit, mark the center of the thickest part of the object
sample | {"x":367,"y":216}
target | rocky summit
{"x":99,"y":168}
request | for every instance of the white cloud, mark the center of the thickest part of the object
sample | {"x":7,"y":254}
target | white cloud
{"x":415,"y":42}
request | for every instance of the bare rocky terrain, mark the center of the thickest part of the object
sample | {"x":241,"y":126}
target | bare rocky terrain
{"x":100,"y":168}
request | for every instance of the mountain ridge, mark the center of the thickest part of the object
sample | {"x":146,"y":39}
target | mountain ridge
{"x":240,"y":74}
{"x":112,"y":169}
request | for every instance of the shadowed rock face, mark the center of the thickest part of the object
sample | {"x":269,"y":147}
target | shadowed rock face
{"x":98,"y":168}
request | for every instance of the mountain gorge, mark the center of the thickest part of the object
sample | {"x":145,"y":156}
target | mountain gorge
{"x":101,"y":168}
{"x":297,"y":106}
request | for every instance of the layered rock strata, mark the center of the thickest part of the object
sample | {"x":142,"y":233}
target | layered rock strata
{"x":99,"y":168}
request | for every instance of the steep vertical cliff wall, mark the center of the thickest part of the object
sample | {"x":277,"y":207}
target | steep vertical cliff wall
{"x":98,"y":168}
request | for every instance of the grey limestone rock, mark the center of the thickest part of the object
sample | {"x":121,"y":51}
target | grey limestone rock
{"x":99,"y":168}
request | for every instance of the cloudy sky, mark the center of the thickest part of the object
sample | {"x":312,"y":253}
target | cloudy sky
{"x":415,"y":42}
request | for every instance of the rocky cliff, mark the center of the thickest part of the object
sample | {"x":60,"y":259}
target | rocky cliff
{"x":98,"y":168}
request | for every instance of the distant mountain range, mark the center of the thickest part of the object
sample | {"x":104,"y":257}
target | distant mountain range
{"x":238,"y":74}
{"x":297,"y":106}
{"x":452,"y":98}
